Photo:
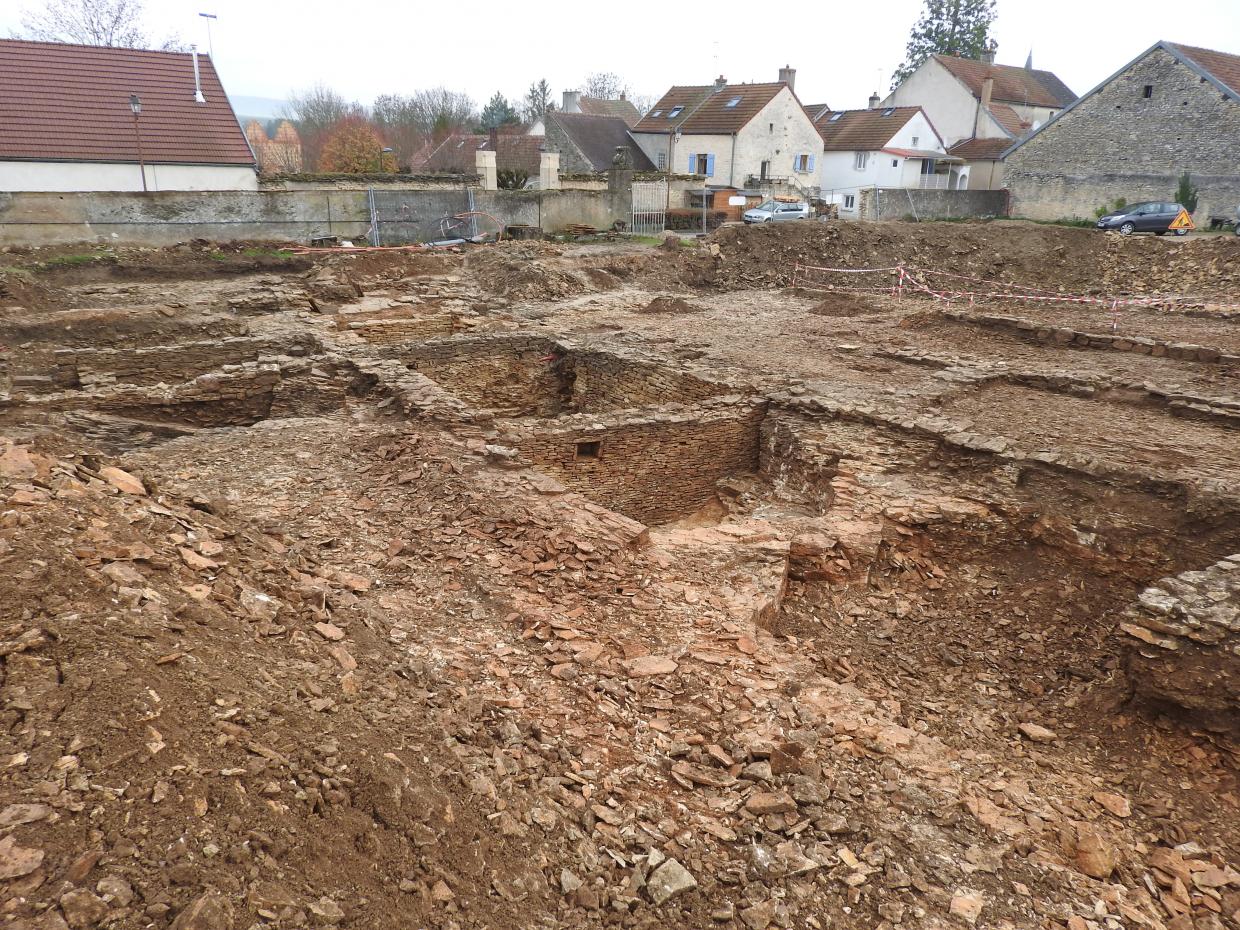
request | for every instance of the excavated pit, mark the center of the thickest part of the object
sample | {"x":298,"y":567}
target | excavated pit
{"x":774,"y":587}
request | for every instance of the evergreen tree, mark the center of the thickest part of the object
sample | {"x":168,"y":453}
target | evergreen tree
{"x":498,"y":112}
{"x":1186,"y":194}
{"x":948,"y":27}
{"x":537,"y":99}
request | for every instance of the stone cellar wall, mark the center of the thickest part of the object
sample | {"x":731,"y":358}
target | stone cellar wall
{"x":653,"y":467}
{"x":515,"y":375}
{"x":602,"y":381}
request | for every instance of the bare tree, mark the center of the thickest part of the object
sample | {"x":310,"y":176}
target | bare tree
{"x":315,"y":113}
{"x":604,"y":85}
{"x":397,"y":120}
{"x":115,"y":23}
{"x":440,"y":112}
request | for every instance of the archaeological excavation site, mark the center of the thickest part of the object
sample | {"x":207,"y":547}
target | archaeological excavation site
{"x":812,"y":575}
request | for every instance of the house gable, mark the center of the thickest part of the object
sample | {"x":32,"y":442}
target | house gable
{"x":1132,"y":136}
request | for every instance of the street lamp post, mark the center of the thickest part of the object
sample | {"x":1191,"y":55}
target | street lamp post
{"x":210,"y":47}
{"x":135,"y":104}
{"x":386,"y":150}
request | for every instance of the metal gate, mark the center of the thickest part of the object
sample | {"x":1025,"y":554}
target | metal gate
{"x":649,"y":208}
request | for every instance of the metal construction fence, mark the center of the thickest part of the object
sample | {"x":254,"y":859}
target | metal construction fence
{"x":406,"y":217}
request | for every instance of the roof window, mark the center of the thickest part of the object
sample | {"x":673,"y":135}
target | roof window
{"x":733,"y":102}
{"x":674,"y":112}
{"x":657,"y":113}
{"x":835,"y":117}
{"x":889,"y":111}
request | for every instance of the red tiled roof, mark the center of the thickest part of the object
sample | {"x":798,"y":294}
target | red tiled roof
{"x":981,"y":149}
{"x":456,"y":154}
{"x":622,"y":109}
{"x":659,"y":118}
{"x":1224,"y":67}
{"x":517,"y":152}
{"x":705,"y":110}
{"x":71,"y":103}
{"x":1009,"y":119}
{"x":731,"y":109}
{"x":1012,"y":84}
{"x":862,"y":130}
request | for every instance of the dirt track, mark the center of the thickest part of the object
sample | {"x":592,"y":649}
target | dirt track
{"x":314,"y":610}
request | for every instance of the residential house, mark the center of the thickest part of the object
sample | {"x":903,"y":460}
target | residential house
{"x":734,"y":135}
{"x":883,"y":147}
{"x":456,"y":154}
{"x":68,"y":121}
{"x":588,"y":144}
{"x":972,"y":102}
{"x":279,"y":153}
{"x":575,"y":102}
{"x":1172,"y":109}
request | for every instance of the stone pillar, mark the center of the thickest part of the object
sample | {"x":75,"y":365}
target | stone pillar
{"x":549,"y":171}
{"x":486,"y":168}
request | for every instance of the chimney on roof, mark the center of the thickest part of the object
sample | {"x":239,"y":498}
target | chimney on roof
{"x":623,"y":96}
{"x":875,"y":100}
{"x":788,"y":75}
{"x":988,"y":92}
{"x":720,"y":83}
{"x":572,"y":101}
{"x":198,"y":97}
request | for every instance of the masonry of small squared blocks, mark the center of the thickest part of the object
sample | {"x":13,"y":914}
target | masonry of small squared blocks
{"x":514,"y":375}
{"x":653,"y":466}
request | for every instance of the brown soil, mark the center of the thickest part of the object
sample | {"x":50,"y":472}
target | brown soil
{"x":292,"y":634}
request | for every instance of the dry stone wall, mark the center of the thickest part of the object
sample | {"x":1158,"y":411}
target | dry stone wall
{"x":652,"y":466}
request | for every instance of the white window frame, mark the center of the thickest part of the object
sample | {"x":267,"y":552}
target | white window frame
{"x":850,"y":201}
{"x":861,"y":161}
{"x":803,"y":163}
{"x":662,"y":160}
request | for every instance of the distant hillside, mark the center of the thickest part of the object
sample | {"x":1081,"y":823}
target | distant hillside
{"x":259,"y":108}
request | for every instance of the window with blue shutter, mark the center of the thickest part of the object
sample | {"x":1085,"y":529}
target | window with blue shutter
{"x":693,"y":164}
{"x":811,"y":164}
{"x":710,"y":166}
{"x":796,"y":163}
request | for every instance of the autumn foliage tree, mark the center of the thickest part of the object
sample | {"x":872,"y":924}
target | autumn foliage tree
{"x":354,"y":147}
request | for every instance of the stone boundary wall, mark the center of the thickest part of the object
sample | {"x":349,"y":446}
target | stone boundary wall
{"x":1061,"y":335}
{"x":169,"y":217}
{"x":649,"y":465}
{"x":1183,"y":638}
{"x":899,"y":203}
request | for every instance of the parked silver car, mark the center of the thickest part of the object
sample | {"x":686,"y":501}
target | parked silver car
{"x":777,"y":210}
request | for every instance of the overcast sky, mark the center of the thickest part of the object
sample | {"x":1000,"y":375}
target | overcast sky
{"x":842,"y":50}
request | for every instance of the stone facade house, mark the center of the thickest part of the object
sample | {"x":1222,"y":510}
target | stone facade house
{"x":1172,"y":109}
{"x":733,"y":135}
{"x":587,"y":144}
{"x":67,"y":121}
{"x":981,"y":108}
{"x":883,"y":147}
